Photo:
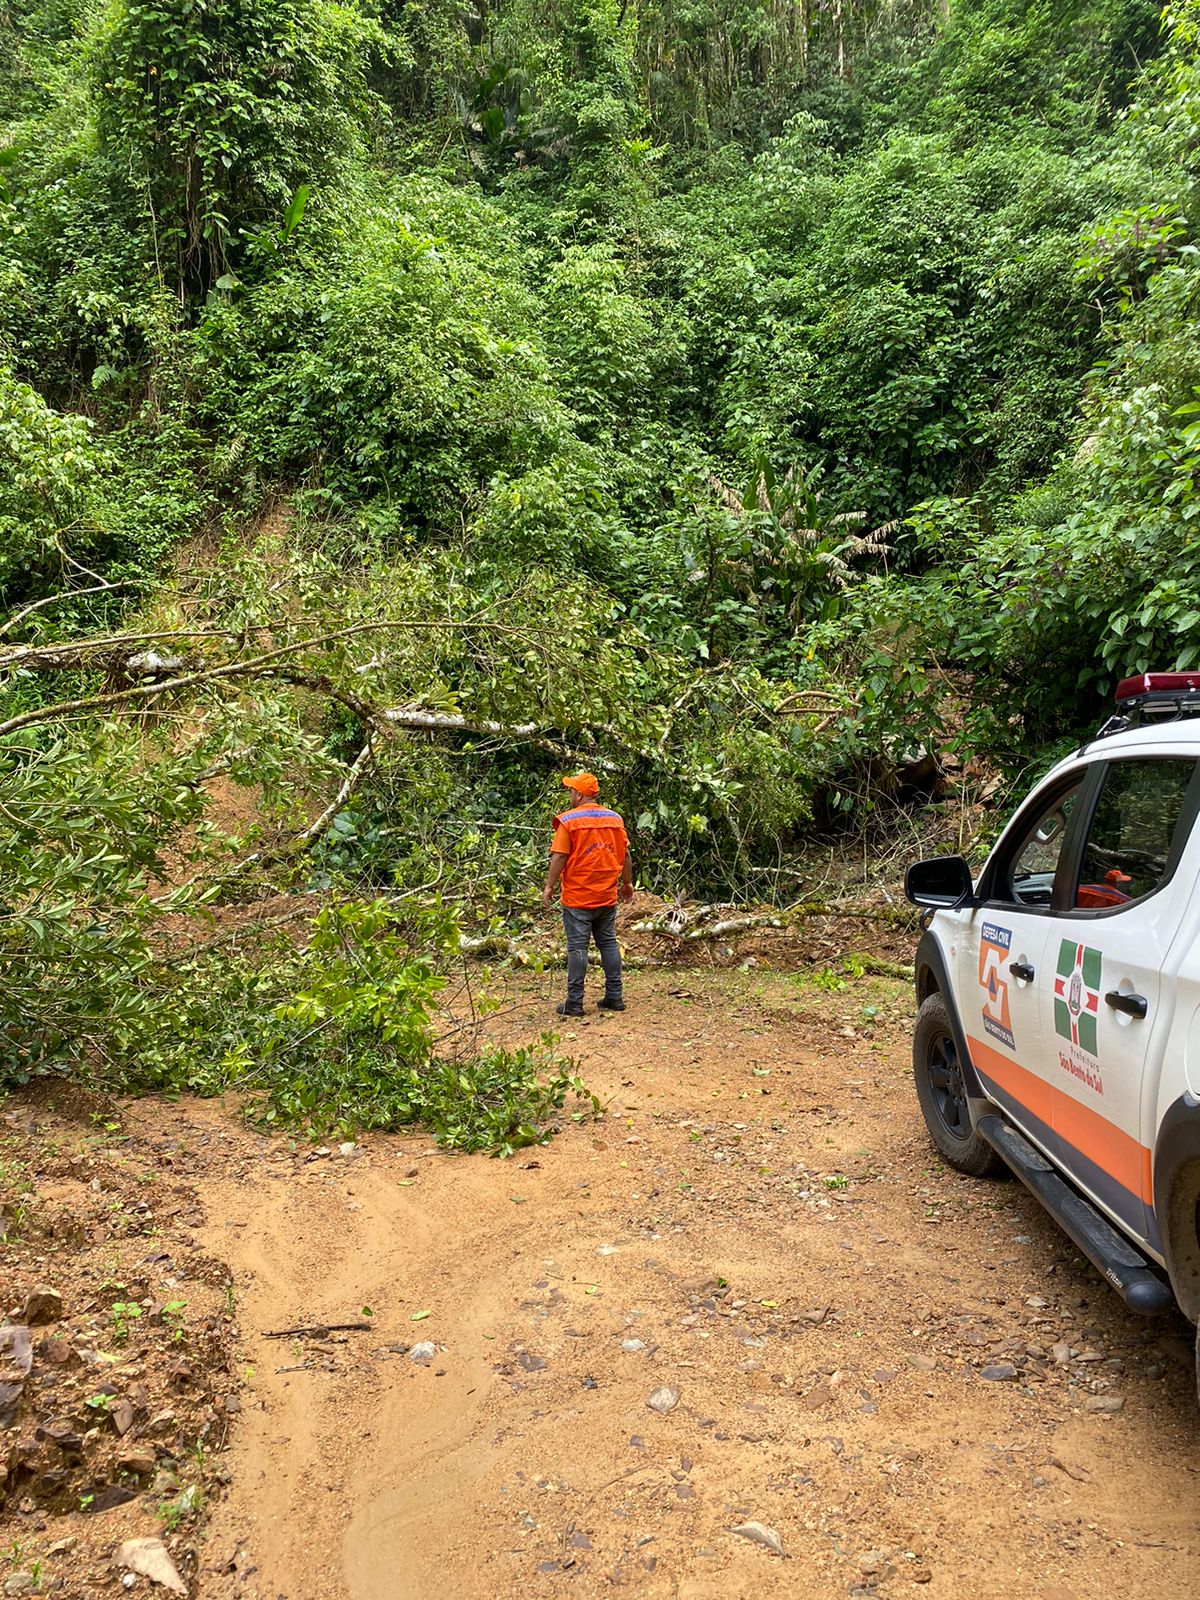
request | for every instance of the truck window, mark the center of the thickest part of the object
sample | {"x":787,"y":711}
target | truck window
{"x":1025,"y":876}
{"x":1128,"y":851}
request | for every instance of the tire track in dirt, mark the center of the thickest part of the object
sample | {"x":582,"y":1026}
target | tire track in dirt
{"x":319,"y":1443}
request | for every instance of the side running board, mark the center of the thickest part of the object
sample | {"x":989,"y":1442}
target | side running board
{"x":1129,"y":1273}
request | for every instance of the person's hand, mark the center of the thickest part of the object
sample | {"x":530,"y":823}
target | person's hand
{"x":547,"y":900}
{"x":626,"y":891}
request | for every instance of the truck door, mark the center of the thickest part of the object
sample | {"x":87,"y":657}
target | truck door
{"x":1000,"y":954}
{"x":1101,"y":991}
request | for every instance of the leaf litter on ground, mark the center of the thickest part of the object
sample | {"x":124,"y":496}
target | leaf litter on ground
{"x":759,"y":1533}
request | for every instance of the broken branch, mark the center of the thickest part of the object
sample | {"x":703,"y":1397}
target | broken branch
{"x":318,"y":1330}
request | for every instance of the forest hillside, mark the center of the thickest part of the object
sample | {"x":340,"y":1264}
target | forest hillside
{"x":400,"y":403}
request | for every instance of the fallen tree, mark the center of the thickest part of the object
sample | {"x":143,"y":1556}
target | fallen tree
{"x":687,"y":924}
{"x":335,"y":699}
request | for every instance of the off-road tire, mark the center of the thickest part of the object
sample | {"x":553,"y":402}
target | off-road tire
{"x":941,"y":1093}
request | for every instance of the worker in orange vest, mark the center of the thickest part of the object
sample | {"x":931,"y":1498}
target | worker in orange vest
{"x":589,"y":859}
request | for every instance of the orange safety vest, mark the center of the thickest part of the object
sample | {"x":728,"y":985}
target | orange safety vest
{"x":595,"y":843}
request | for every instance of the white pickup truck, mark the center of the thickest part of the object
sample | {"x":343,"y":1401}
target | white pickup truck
{"x":1058,"y":1029}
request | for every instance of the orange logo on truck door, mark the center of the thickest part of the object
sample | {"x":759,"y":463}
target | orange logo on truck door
{"x":994,"y":944}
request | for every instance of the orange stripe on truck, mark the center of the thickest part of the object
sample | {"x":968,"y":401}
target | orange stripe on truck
{"x":1123,"y":1157}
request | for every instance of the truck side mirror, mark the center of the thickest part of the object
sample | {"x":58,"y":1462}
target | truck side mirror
{"x":941,"y":881}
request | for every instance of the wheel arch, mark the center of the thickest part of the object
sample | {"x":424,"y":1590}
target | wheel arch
{"x":1177,"y":1199}
{"x":932,"y":977}
{"x":927,"y":982}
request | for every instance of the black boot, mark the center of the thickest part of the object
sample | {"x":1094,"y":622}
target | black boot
{"x":566,"y":1009}
{"x":610,"y":1005}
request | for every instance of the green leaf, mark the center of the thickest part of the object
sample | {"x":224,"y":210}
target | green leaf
{"x":295,"y":211}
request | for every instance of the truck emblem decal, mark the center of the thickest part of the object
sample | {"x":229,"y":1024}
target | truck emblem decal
{"x":994,"y":945}
{"x":1077,"y":994}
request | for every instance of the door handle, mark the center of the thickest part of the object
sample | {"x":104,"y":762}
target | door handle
{"x":1133,"y":1005}
{"x":1022,"y":970}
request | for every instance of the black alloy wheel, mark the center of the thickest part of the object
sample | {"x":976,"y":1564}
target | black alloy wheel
{"x":948,"y":1089}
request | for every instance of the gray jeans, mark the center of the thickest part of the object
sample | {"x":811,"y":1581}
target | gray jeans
{"x":581,"y":923}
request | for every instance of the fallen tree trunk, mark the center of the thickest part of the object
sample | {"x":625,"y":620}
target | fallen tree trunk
{"x":418,"y":721}
{"x":877,"y":967}
{"x":141,"y":675}
{"x":500,"y":947}
{"x":678,"y":922}
{"x":503,"y":948}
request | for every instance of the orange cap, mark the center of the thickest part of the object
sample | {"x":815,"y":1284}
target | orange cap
{"x":583,"y":783}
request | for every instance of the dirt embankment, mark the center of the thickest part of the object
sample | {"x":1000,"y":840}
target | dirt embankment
{"x":116,"y":1392}
{"x":903,"y":1380}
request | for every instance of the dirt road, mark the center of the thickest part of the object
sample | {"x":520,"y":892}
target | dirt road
{"x":759,"y":1228}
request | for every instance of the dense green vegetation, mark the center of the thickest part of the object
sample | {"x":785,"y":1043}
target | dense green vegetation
{"x":399,"y":402}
